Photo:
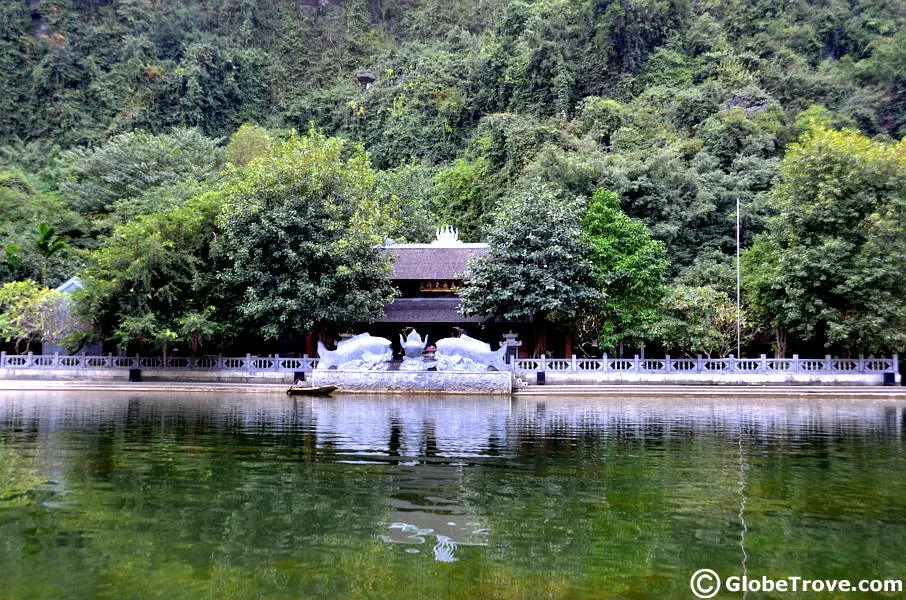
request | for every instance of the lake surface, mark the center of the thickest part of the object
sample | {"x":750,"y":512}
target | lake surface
{"x":256,"y":496}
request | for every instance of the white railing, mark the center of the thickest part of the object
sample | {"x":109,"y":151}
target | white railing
{"x":763,"y":364}
{"x":247,"y":363}
{"x":250,"y":363}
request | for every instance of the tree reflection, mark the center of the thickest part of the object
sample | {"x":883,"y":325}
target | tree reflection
{"x":240,"y":496}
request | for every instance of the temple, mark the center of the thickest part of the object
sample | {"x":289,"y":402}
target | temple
{"x":428,"y":277}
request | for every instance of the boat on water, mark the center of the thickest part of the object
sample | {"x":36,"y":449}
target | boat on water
{"x":321,"y":390}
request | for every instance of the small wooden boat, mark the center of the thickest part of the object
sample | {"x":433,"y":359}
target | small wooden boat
{"x":321,"y":390}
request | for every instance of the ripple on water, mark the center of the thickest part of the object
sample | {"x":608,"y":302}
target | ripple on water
{"x":529,"y":497}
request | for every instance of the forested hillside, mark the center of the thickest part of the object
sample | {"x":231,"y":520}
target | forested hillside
{"x":131,"y":129}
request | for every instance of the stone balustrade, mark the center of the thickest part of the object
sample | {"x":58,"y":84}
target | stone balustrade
{"x":573,"y":370}
{"x":248,"y":362}
{"x":700,"y":365}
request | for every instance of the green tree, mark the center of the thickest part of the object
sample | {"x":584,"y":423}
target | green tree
{"x":765,"y":290}
{"x":155,"y":267}
{"x":600,"y":118}
{"x":157,"y":200}
{"x":460,"y":200}
{"x":136,"y":329}
{"x":163,"y":338}
{"x":629,"y":265}
{"x":828,"y":270}
{"x":884,"y":74}
{"x":248,"y":143}
{"x":48,"y":243}
{"x":699,"y":320}
{"x":35,"y":229}
{"x":537,"y":264}
{"x":133,"y":163}
{"x":407,"y":191}
{"x":198,"y":326}
{"x":31,"y":313}
{"x":299,"y":239}
{"x":20,"y":320}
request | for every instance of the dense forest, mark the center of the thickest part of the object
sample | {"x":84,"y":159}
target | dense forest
{"x":219,"y":172}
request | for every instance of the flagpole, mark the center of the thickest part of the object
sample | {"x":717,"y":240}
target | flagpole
{"x":738,"y":294}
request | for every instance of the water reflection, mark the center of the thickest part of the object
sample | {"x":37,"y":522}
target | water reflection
{"x":249,"y":495}
{"x":426,"y":429}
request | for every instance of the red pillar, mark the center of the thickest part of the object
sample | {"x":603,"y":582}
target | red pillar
{"x":568,"y":345}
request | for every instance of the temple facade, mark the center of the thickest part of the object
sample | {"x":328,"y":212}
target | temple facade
{"x":429,"y":277}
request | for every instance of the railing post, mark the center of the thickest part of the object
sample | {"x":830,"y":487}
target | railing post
{"x":796,"y":365}
{"x":763,"y":364}
{"x":248,"y":362}
{"x":895,"y":363}
{"x":606,"y":363}
{"x":2,"y":359}
{"x":699,"y":364}
{"x":575,"y":365}
{"x":635,"y":365}
{"x":828,"y":363}
{"x":731,"y":363}
{"x":667,"y":366}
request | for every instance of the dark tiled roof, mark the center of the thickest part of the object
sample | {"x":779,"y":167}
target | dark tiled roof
{"x":424,"y":261}
{"x":425,"y":310}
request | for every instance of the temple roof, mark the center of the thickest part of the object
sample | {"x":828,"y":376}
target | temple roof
{"x":425,"y":310}
{"x":431,"y":261}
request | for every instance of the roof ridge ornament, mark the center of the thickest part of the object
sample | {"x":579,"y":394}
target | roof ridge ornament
{"x":446,"y":235}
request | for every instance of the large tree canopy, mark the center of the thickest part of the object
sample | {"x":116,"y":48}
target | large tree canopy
{"x":300,"y":235}
{"x":830,"y":266}
{"x":131,"y":164}
{"x":629,"y":265}
{"x":537,"y":263}
{"x":151,"y":272}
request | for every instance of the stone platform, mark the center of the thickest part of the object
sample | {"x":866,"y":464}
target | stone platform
{"x":416,"y":382}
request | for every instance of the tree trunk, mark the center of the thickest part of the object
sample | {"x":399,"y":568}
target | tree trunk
{"x":541,"y":337}
{"x":780,"y":336}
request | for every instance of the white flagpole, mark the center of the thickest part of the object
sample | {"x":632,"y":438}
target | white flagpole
{"x":738,"y":294}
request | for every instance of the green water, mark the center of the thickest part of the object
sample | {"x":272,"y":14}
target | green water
{"x":250,"y":496}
